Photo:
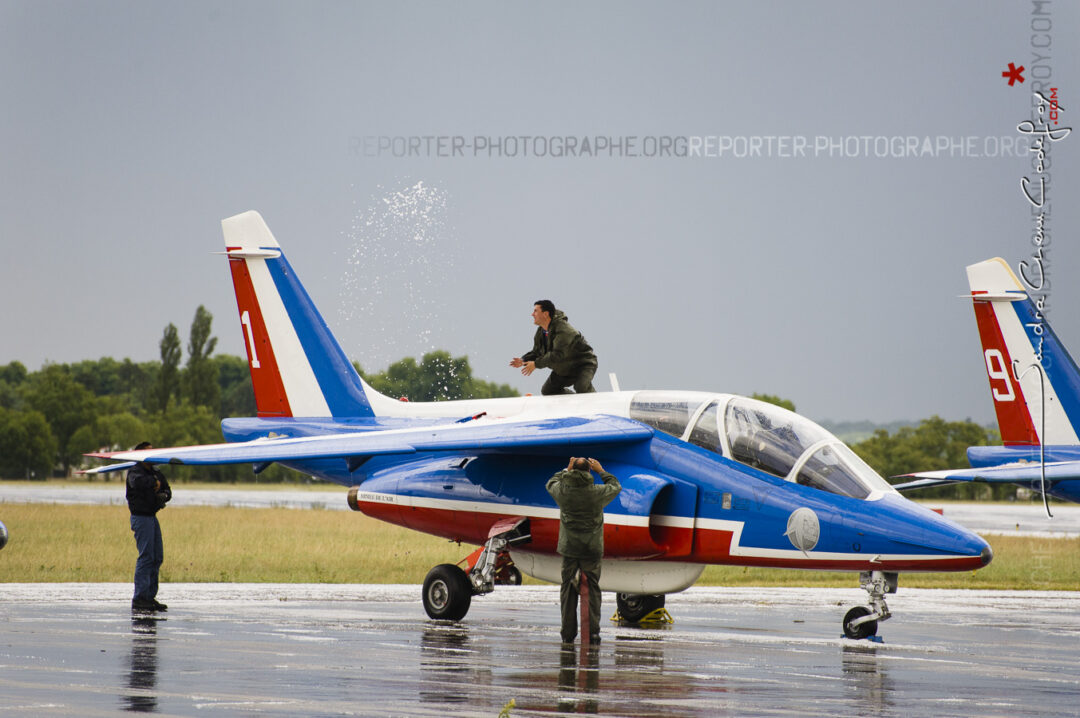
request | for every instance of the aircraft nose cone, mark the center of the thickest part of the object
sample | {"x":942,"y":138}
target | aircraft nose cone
{"x":933,"y":534}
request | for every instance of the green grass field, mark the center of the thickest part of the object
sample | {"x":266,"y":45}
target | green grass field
{"x":59,"y":543}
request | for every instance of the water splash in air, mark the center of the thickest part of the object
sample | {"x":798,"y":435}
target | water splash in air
{"x":400,"y":259}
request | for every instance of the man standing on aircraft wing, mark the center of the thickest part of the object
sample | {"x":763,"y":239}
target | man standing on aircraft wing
{"x":581,"y":537}
{"x":561,"y":348}
{"x":147,"y":493}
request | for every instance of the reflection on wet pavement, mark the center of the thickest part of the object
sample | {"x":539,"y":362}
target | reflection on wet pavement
{"x":75,"y":649}
{"x":142,"y":665}
{"x":448,"y":664}
{"x":866,"y":677}
{"x":579,"y":680}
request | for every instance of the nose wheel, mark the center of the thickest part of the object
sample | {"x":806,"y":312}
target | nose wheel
{"x":447,"y":592}
{"x":857,"y":625}
{"x":862,"y":621}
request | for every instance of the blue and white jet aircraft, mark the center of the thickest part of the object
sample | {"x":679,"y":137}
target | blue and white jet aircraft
{"x":707,"y":478}
{"x":1035,"y":385}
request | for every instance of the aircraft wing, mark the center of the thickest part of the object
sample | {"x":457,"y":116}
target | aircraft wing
{"x":489,"y":436}
{"x":106,"y":469}
{"x":1005,"y":473}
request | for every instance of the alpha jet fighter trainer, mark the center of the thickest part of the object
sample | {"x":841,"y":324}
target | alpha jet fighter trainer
{"x":707,"y":478}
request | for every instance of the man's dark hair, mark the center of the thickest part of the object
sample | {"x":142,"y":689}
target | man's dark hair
{"x":142,"y":445}
{"x":581,"y":464}
{"x":546,"y":305}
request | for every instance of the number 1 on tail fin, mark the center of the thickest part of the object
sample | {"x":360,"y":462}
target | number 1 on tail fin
{"x":245,"y":322}
{"x":297,"y":366}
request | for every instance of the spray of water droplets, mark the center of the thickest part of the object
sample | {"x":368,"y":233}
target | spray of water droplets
{"x":400,"y":258}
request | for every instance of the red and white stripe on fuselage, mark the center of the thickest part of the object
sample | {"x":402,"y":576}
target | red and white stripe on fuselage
{"x":641,"y":540}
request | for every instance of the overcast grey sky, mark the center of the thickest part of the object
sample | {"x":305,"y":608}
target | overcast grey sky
{"x":828,"y":275}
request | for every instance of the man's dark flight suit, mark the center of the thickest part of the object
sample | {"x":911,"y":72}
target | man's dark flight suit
{"x":581,"y":540}
{"x":563,"y":350}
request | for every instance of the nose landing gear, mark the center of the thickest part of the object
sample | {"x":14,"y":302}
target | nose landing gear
{"x":862,"y":621}
{"x":448,"y":589}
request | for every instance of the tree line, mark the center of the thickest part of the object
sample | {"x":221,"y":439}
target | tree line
{"x":51,"y":417}
{"x":933,"y":445}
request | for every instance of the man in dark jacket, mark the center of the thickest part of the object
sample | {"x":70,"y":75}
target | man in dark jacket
{"x":147,"y":493}
{"x":581,"y":537}
{"x":561,"y":348}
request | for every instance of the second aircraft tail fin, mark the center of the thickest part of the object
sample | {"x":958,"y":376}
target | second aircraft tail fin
{"x":1016,"y":340}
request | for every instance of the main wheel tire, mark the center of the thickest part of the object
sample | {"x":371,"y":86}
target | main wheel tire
{"x":863,"y":630}
{"x":447,"y":593}
{"x":635,"y":606}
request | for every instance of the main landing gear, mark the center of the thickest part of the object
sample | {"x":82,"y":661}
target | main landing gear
{"x":448,"y":588}
{"x":640,"y":608}
{"x":862,"y":621}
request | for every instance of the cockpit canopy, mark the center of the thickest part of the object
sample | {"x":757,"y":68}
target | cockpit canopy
{"x":761,"y":435}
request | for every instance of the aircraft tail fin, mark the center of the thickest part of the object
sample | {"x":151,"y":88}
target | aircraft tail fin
{"x":297,"y":366}
{"x":1015,"y":336}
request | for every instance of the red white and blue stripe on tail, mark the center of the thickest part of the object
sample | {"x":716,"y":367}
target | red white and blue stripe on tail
{"x":1020,"y":349}
{"x":1015,"y":338}
{"x":297,"y":366}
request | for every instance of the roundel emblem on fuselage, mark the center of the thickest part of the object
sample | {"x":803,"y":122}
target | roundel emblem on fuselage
{"x":803,"y":529}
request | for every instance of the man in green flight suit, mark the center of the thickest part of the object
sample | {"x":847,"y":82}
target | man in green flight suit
{"x":581,"y":537}
{"x":561,"y":348}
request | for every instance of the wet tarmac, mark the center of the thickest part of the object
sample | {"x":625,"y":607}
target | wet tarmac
{"x":329,"y":650}
{"x":1019,"y":519}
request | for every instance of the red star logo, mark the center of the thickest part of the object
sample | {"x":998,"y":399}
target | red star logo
{"x":1014,"y":73}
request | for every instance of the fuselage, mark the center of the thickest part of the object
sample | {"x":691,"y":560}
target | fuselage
{"x":723,"y":480}
{"x":1067,"y":489}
